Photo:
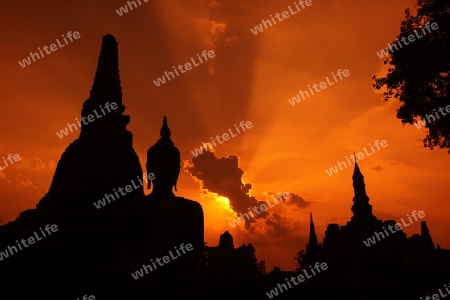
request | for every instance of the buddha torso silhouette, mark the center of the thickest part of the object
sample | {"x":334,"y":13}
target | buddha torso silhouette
{"x":169,"y":223}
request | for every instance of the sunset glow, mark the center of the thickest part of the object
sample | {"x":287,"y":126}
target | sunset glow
{"x":251,"y":78}
{"x":224,"y":200}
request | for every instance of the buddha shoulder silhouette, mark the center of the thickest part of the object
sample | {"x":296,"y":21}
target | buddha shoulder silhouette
{"x":167,"y":220}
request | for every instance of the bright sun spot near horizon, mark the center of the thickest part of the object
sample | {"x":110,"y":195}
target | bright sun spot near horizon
{"x":224,"y":200}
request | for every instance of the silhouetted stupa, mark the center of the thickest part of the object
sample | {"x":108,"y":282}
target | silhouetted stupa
{"x":362,"y":210}
{"x":390,"y":263}
{"x":102,"y":158}
{"x":313,"y":252}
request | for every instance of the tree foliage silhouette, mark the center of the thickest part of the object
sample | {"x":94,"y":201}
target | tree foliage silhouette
{"x":301,"y":261}
{"x":249,"y":255}
{"x":418,"y":74}
{"x":262,"y":266}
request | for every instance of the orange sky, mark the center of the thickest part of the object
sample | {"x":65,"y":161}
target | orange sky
{"x":250,"y":78}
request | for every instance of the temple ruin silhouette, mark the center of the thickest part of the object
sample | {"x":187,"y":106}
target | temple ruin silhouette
{"x":96,"y":250}
{"x":394,"y":266}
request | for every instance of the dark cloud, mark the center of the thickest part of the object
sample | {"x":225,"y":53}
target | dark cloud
{"x":298,"y":201}
{"x":224,"y":177}
{"x":276,"y":226}
{"x":377,"y":168}
{"x":292,"y":199}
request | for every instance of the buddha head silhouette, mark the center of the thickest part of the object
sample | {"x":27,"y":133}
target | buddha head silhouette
{"x":164,"y":160}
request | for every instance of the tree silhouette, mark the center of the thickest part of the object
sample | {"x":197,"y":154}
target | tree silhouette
{"x":418,"y":74}
{"x":262,"y":267}
{"x":249,"y":258}
{"x":301,"y":261}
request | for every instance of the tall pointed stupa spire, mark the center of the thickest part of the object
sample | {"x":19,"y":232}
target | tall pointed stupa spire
{"x":106,"y":86}
{"x":107,"y":79}
{"x":102,"y":158}
{"x":426,"y":236}
{"x":312,"y":232}
{"x":358,"y":182}
{"x":313,"y":249}
{"x":361,"y":208}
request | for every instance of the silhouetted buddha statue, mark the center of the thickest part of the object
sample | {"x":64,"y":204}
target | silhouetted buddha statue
{"x":168,"y":220}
